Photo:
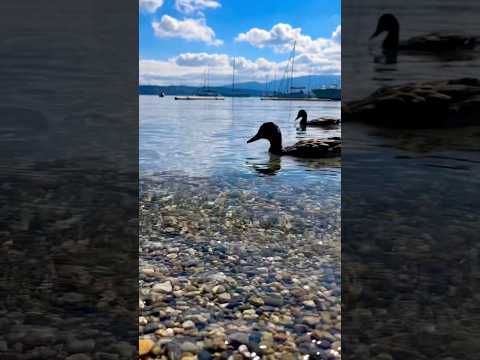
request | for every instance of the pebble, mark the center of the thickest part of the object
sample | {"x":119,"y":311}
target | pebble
{"x":273,"y":300}
{"x":242,"y":285}
{"x":80,"y":346}
{"x":224,"y":297}
{"x":144,"y":346}
{"x":78,"y":357}
{"x":189,"y":347}
{"x":165,"y":287}
{"x":257,"y":301}
{"x":188,"y":324}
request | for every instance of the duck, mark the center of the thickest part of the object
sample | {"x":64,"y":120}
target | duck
{"x":435,"y":42}
{"x":311,"y":148}
{"x":423,"y":104}
{"x":325,"y":122}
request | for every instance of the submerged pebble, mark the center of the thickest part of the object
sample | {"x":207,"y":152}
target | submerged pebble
{"x":249,"y":269}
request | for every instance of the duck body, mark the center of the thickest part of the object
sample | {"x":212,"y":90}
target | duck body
{"x":439,"y":42}
{"x":431,"y":104}
{"x":435,"y":42}
{"x":312,"y":148}
{"x":325,"y":122}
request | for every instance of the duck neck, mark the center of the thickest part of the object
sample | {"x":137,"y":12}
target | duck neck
{"x":303,"y":120}
{"x":392,"y":39}
{"x":276,"y":144}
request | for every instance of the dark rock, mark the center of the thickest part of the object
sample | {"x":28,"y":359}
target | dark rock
{"x":204,"y":355}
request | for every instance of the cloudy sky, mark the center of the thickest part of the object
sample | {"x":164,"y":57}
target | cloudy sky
{"x":181,"y":39}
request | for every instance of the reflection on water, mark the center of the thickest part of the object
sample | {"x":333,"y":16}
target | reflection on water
{"x":207,"y":138}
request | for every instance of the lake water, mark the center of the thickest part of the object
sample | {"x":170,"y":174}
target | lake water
{"x":208,"y":138}
{"x":216,"y":209}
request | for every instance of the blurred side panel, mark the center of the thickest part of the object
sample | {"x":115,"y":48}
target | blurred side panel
{"x":69,"y":179}
{"x":410,"y":179}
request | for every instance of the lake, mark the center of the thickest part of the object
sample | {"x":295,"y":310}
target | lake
{"x":250,"y":242}
{"x":208,"y":138}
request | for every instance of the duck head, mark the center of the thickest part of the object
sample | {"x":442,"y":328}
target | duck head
{"x":388,"y":23}
{"x":302,"y":114}
{"x":271,"y":132}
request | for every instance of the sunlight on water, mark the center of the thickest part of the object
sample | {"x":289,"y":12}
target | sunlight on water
{"x":205,"y":138}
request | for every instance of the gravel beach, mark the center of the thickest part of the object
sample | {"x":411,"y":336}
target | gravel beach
{"x":229,"y":272}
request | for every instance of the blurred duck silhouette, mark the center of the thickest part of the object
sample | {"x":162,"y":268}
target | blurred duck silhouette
{"x":433,"y":43}
{"x":312,"y":148}
{"x":324,"y":122}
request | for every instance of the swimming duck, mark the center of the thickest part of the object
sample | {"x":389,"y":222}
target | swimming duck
{"x":325,"y":122}
{"x":430,"y":104}
{"x":432,"y":42}
{"x":312,"y":148}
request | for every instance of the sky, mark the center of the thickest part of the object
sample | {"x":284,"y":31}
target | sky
{"x":181,"y":40}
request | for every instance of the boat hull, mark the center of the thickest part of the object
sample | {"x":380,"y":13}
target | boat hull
{"x":328,"y":94}
{"x":199,"y":98}
{"x":273,"y":98}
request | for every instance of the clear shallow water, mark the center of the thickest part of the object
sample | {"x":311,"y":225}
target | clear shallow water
{"x":208,"y":138}
{"x":217,"y":206}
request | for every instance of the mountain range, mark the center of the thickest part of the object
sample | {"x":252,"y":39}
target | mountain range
{"x":251,"y":88}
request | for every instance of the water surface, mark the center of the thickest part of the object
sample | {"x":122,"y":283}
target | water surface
{"x":208,"y":138}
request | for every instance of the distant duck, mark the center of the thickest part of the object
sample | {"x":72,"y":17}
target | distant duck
{"x":435,"y":42}
{"x":313,"y":148}
{"x":325,"y":122}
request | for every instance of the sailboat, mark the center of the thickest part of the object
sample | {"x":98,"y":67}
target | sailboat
{"x":236,"y":92}
{"x":293,"y":92}
{"x":205,"y":93}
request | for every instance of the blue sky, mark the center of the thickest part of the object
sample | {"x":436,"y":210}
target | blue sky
{"x":180,"y":39}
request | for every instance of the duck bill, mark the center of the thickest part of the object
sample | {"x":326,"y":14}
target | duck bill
{"x":298,"y":117}
{"x":375,"y":34}
{"x":255,"y":138}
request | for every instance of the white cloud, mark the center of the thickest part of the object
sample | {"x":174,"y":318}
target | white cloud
{"x":151,"y":5}
{"x":189,"y":68}
{"x":188,"y":29}
{"x":281,"y":38}
{"x":319,"y":56}
{"x":202,"y":59}
{"x":195,"y":6}
{"x":337,"y":34}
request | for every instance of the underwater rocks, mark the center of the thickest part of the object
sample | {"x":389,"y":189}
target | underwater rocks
{"x":428,"y":104}
{"x":239,"y":289}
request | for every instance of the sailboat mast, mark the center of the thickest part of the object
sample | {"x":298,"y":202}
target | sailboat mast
{"x":233,"y":77}
{"x":274,"y":81}
{"x":293,"y":62}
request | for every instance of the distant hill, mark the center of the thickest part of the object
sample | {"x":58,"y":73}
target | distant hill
{"x":192,"y":90}
{"x":312,"y":82}
{"x":251,"y":88}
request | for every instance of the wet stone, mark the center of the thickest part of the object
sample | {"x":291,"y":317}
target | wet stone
{"x":245,"y":265}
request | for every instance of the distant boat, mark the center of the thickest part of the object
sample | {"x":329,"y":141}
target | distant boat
{"x":331,"y":93}
{"x":161,"y":94}
{"x":293,"y":92}
{"x":203,"y":94}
